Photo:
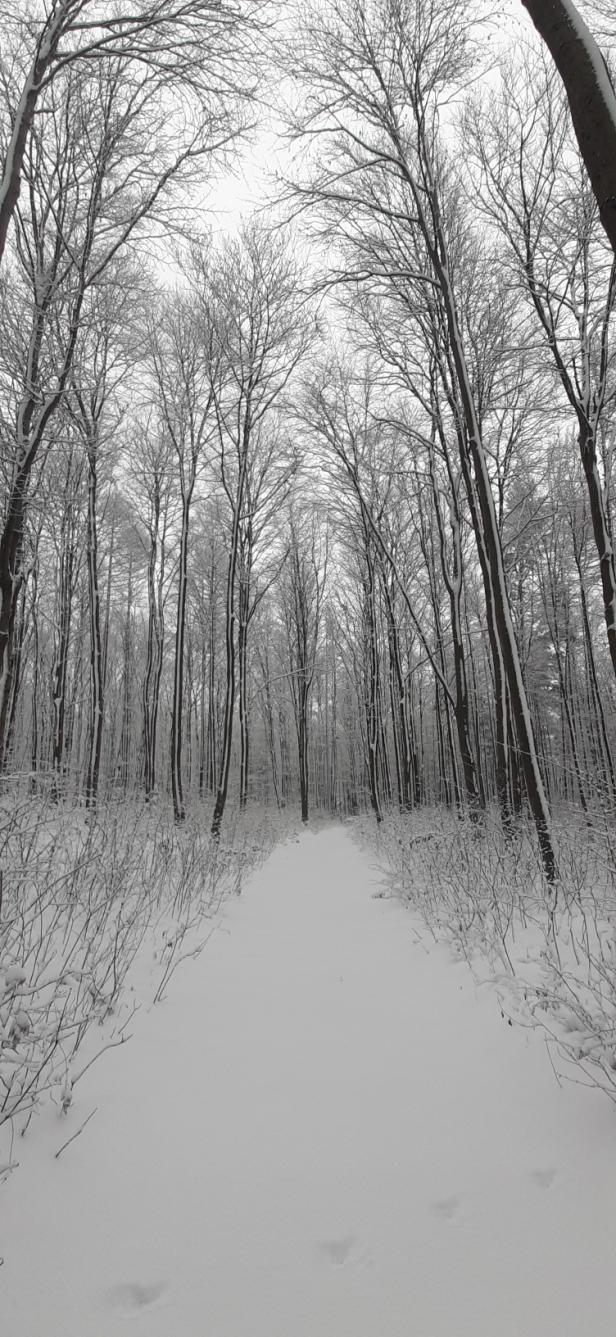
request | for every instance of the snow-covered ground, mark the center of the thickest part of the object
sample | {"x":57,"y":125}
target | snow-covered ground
{"x":326,"y":1130}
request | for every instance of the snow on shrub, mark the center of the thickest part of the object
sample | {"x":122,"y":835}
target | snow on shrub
{"x":554,"y":963}
{"x":80,"y":897}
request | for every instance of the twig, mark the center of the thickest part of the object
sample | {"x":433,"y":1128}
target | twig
{"x":79,"y":1130}
{"x":113,"y":1044}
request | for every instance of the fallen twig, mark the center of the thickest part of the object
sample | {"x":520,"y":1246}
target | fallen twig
{"x":79,"y":1130}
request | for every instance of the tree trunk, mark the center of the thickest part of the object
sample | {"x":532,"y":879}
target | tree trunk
{"x":59,"y":673}
{"x":302,"y":750}
{"x":125,"y":734}
{"x":179,"y":810}
{"x":372,"y":688}
{"x":230,"y":648}
{"x":242,"y":664}
{"x":97,"y":676}
{"x":595,"y":690}
{"x":590,"y":93}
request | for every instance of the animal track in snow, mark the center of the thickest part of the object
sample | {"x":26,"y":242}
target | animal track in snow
{"x":544,"y":1178}
{"x":446,"y":1208}
{"x":336,"y":1251}
{"x":341,"y":1252}
{"x":133,"y":1297}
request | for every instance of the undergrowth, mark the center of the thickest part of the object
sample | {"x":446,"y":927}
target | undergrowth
{"x":81,"y":895}
{"x":552,"y":952}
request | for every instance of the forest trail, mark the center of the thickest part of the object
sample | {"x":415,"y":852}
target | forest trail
{"x":326,"y":1130}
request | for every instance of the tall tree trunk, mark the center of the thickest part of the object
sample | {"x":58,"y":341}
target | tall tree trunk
{"x":595,"y":690}
{"x":302,"y":750}
{"x":154,"y":649}
{"x":372,"y":687}
{"x":590,"y":93}
{"x":97,"y":674}
{"x":230,"y":646}
{"x":11,"y":581}
{"x":212,"y":731}
{"x":127,"y":673}
{"x":602,"y":532}
{"x":23,"y":117}
{"x":268,"y":719}
{"x":15,"y":672}
{"x":179,"y":809}
{"x":285,"y":756}
{"x":453,"y":584}
{"x":59,"y":672}
{"x":242,"y":665}
{"x":34,"y":745}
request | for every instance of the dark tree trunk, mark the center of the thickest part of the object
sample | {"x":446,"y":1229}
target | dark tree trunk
{"x":154,"y":650}
{"x":372,"y":687}
{"x":590,"y":94}
{"x":127,"y":674}
{"x":97,"y":676}
{"x":595,"y":690}
{"x":230,"y":666}
{"x":15,"y":673}
{"x":602,"y":533}
{"x":179,"y":809}
{"x":302,"y":749}
{"x":242,"y":665}
{"x":59,"y":673}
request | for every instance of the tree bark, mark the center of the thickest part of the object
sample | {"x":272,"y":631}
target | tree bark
{"x":179,"y":809}
{"x":590,"y":93}
{"x":97,"y":675}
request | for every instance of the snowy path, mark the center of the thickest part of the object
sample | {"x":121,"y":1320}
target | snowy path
{"x":326,"y":1131}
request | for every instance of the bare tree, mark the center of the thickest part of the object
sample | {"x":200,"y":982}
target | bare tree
{"x":378,"y":78}
{"x":303,"y":588}
{"x":536,"y":194}
{"x":92,"y":400}
{"x":151,"y":479}
{"x":251,"y":294}
{"x":113,"y":137}
{"x":186,"y":363}
{"x":69,"y":558}
{"x":182,"y":54}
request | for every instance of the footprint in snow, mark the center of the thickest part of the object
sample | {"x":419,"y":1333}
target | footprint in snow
{"x":134,"y":1297}
{"x":544,"y":1178}
{"x":342,"y":1251}
{"x":446,"y":1208}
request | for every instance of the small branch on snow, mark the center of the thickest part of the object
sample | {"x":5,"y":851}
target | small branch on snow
{"x":79,"y":1130}
{"x":113,"y":1044}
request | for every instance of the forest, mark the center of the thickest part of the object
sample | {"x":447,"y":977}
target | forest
{"x":306,"y":509}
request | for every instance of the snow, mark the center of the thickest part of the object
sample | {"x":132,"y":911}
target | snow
{"x":326,"y":1130}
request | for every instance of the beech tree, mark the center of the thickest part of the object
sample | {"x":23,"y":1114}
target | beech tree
{"x":186,"y":366}
{"x":303,"y":587}
{"x":246,"y":559}
{"x":180,"y":53}
{"x":115,"y":114}
{"x":250,"y":292}
{"x":150,"y":490}
{"x":535,"y":192}
{"x":590,"y":93}
{"x":377,"y":82}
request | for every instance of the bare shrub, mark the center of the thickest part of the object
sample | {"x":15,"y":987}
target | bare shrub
{"x":80,"y":896}
{"x":551,"y":952}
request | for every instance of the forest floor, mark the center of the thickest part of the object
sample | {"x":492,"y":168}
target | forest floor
{"x":327,"y":1129}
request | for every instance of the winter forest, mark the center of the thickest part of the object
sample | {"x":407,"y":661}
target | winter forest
{"x":307,"y":452}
